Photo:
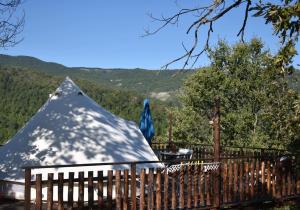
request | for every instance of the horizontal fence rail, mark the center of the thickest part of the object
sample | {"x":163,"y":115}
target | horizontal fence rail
{"x":248,"y":180}
{"x":206,"y":150}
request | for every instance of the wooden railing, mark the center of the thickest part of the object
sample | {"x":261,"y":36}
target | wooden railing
{"x":242,"y":181}
{"x":206,"y":150}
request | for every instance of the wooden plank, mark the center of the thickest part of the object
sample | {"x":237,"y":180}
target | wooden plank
{"x":202,"y":180}
{"x":70,"y":190}
{"x":173,"y":202}
{"x":80,"y":190}
{"x":207,"y":189}
{"x":90,"y":190}
{"x":269,"y":177}
{"x":257,"y":168}
{"x":189,"y":187}
{"x":293,"y":171}
{"x":60,"y":189}
{"x":158,"y":189}
{"x":100,"y":189}
{"x":273,"y":179}
{"x":293,"y":176}
{"x":241,"y":181}
{"x":195,"y":185}
{"x":166,"y":189}
{"x":126,"y":190}
{"x":298,"y":181}
{"x":252,"y":179}
{"x":27,"y":189}
{"x":50,"y":191}
{"x":247,"y":181}
{"x":283,"y":181}
{"x":142,"y":189}
{"x":225,"y":191}
{"x":38,"y":187}
{"x":235,"y":181}
{"x":109,"y":188}
{"x":263,"y":188}
{"x":289,"y":181}
{"x":133,"y":186}
{"x":278,"y":182}
{"x":118,"y":190}
{"x":181,"y":186}
{"x":150,"y":199}
{"x":230,"y":180}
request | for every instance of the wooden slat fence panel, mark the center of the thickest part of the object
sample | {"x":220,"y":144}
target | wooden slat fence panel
{"x":242,"y":180}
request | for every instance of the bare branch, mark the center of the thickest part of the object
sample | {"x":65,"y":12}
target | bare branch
{"x":242,"y":30}
{"x":171,"y":20}
{"x":206,"y":47}
{"x":10,"y":26}
{"x":205,"y":15}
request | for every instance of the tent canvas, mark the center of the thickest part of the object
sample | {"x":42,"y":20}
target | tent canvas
{"x":71,"y":128}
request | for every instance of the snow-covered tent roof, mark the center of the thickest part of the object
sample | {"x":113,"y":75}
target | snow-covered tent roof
{"x":71,"y":128}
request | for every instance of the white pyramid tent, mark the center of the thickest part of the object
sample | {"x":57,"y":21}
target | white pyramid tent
{"x":71,"y":128}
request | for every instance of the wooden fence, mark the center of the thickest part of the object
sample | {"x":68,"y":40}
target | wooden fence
{"x":206,"y":150}
{"x":241,"y":182}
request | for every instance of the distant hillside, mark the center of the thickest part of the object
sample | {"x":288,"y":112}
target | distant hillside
{"x":23,"y":92}
{"x":294,"y":80}
{"x":154,"y":83}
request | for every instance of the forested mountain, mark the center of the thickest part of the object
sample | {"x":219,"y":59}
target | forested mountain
{"x":155,"y":83}
{"x":23,"y":92}
{"x":294,"y":80}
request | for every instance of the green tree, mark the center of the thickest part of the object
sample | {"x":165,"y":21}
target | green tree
{"x":257,"y":106}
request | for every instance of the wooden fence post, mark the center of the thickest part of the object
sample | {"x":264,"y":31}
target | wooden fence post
{"x":109,"y":188}
{"x":38,"y":198}
{"x":27,"y":188}
{"x":217,"y":142}
{"x":80,"y":190}
{"x":60,"y":191}
{"x":126,"y":189}
{"x":70,"y":191}
{"x":118,"y":190}
{"x":90,"y":190}
{"x":142,"y":189}
{"x":50,"y":191}
{"x":133,"y":185}
{"x":100,"y":190}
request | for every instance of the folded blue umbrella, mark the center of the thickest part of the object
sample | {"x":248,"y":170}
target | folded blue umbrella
{"x":146,"y":124}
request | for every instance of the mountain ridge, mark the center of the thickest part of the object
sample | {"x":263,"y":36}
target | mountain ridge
{"x":152,"y":83}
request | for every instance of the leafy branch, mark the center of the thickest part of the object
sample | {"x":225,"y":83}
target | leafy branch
{"x":284,"y":18}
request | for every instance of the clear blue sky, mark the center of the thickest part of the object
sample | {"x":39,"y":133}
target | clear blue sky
{"x":107,"y":33}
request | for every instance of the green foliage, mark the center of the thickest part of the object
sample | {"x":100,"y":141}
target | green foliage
{"x":23,"y":92}
{"x":285,"y":19}
{"x":257,"y":106}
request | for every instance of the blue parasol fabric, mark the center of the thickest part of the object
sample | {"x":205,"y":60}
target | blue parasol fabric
{"x":146,"y":124}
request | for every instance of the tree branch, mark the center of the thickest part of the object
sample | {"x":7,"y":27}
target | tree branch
{"x":204,"y":15}
{"x":242,"y":30}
